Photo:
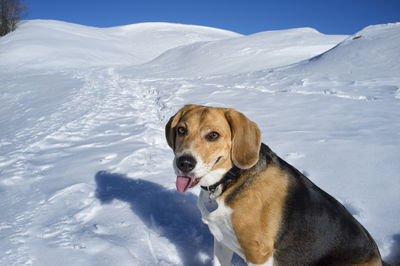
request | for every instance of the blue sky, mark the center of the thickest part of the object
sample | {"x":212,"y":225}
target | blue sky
{"x":246,"y":17}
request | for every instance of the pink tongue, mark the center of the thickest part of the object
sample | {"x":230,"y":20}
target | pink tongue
{"x":183,"y":183}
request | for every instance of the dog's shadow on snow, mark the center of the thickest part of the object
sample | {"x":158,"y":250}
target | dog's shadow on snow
{"x":394,"y":256}
{"x":174,"y":215}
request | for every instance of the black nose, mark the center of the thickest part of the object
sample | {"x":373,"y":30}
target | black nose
{"x":186,"y":163}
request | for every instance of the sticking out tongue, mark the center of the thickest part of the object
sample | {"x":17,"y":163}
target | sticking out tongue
{"x":183,"y":183}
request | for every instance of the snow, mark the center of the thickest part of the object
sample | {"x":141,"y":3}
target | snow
{"x":242,"y":54}
{"x":86,"y":175}
{"x":66,"y":45}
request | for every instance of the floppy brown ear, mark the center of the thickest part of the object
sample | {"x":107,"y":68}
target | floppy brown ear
{"x":246,"y":139}
{"x":170,"y":127}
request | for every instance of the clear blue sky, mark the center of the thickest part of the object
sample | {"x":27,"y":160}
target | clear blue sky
{"x":246,"y":17}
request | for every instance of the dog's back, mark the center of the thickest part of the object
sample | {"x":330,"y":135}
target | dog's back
{"x":316,"y":229}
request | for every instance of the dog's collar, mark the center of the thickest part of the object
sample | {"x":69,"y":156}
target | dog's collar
{"x":230,"y":177}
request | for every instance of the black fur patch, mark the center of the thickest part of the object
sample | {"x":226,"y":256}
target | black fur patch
{"x":317,"y":229}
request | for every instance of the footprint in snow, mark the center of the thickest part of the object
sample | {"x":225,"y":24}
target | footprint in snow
{"x":294,"y":155}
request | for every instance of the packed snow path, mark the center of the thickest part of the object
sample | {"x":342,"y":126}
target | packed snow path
{"x":86,"y":175}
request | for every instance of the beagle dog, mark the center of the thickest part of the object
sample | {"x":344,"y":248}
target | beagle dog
{"x":256,"y":204}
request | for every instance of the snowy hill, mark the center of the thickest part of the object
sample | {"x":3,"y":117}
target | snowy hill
{"x":85,"y":173}
{"x":377,"y":45}
{"x":244,"y":54}
{"x":53,"y":43}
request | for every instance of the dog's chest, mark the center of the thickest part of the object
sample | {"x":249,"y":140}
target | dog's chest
{"x":218,"y":218}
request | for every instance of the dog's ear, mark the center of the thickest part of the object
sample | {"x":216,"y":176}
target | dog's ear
{"x":170,"y":128}
{"x":246,"y":139}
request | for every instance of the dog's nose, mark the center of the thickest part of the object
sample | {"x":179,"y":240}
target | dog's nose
{"x":186,"y":163}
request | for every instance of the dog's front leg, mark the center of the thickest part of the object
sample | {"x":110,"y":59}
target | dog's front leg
{"x":222,"y":254}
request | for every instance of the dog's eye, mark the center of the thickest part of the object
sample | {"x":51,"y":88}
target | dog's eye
{"x":181,"y":131}
{"x":212,"y":136}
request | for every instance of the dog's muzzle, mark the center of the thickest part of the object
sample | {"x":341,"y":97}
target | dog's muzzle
{"x":185,"y":163}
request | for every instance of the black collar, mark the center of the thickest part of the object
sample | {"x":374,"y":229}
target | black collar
{"x":230,"y":177}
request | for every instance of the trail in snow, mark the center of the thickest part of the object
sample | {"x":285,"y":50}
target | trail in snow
{"x":107,"y":113}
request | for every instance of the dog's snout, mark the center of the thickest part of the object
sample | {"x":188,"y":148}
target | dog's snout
{"x":186,"y":163}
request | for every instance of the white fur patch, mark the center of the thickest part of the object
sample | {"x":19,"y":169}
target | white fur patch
{"x":218,"y":218}
{"x":212,"y":177}
{"x":269,"y":262}
{"x":222,"y":254}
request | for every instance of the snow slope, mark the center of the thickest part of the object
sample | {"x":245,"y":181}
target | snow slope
{"x":85,"y":172}
{"x":243,"y":54}
{"x":46,"y":43}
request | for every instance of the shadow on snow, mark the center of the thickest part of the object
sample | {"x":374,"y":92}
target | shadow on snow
{"x":172,"y":214}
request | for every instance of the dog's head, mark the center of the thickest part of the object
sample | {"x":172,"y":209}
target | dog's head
{"x":208,"y":141}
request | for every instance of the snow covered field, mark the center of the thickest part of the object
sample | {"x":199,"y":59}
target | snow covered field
{"x":85,"y":172}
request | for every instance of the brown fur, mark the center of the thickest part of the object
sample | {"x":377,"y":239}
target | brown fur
{"x":239,"y":142}
{"x":170,"y":128}
{"x":258,"y":210}
{"x":373,"y":262}
{"x":246,"y":139}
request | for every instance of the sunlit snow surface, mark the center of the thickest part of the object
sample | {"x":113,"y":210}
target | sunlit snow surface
{"x":85,"y":172}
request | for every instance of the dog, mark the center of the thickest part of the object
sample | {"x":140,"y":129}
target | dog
{"x":256,"y":204}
